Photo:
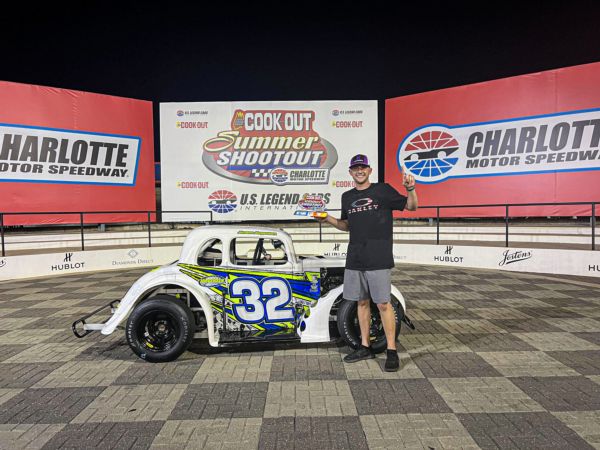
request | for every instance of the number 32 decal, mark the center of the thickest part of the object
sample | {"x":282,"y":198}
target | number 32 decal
{"x":262,"y":301}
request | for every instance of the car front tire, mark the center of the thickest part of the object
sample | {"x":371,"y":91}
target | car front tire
{"x":160,"y":329}
{"x":347,"y":322}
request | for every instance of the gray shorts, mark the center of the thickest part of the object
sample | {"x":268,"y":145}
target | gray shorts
{"x":365,"y":284}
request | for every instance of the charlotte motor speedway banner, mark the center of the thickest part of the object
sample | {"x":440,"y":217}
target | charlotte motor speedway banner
{"x":528,"y":139}
{"x":261,"y":160}
{"x":64,"y":150}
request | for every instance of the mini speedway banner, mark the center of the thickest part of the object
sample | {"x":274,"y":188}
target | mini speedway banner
{"x":526,"y":139}
{"x":63,"y":150}
{"x":261,"y":160}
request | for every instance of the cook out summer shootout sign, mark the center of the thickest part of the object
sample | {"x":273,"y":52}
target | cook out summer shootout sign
{"x":64,"y":150}
{"x":261,"y":160}
{"x":534,"y":138}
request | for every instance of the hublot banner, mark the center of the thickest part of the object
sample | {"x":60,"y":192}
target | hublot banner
{"x":448,"y":257}
{"x":67,"y":264}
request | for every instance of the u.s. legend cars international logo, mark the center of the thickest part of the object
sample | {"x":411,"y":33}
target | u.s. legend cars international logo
{"x":562,"y":142}
{"x":271,"y":147}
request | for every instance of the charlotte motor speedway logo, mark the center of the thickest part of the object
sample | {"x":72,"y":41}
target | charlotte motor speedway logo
{"x":222,"y":201}
{"x":563,"y":142}
{"x":50,"y":155}
{"x":271,"y":147}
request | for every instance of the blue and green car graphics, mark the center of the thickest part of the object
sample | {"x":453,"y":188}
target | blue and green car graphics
{"x":262,"y":300}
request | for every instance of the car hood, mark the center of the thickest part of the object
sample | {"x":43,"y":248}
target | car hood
{"x":310,"y":263}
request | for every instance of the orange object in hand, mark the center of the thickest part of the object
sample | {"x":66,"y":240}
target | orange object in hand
{"x":319,"y":214}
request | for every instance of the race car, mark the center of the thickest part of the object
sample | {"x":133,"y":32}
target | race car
{"x":238,"y":285}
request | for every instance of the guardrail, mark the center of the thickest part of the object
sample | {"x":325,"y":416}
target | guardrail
{"x":81,"y":215}
{"x":507,"y":207}
{"x":507,"y":215}
{"x":159,"y":213}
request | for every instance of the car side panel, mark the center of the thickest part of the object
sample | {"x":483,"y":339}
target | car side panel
{"x":304,"y":291}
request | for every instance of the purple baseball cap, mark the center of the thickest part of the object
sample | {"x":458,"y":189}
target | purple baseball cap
{"x":359,"y":160}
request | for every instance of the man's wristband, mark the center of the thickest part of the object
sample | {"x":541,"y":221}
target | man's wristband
{"x":410,"y":189}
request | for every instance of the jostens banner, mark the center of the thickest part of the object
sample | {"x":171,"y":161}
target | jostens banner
{"x":531,"y":138}
{"x":261,"y":160}
{"x":64,"y":150}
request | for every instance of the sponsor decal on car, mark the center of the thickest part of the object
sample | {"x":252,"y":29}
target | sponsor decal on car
{"x":262,"y":300}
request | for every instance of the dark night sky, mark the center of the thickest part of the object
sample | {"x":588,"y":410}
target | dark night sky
{"x":263,"y":51}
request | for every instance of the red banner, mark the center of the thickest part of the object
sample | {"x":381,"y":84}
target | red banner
{"x":73,"y":151}
{"x":528,"y":139}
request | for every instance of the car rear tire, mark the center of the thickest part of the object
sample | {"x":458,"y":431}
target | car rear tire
{"x":347,"y":322}
{"x":160,"y":329}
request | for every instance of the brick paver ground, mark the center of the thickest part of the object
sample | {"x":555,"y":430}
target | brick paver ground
{"x":498,"y":360}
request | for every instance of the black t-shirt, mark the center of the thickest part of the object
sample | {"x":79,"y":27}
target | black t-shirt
{"x":369,"y":215}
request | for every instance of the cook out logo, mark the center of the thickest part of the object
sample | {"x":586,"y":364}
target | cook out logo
{"x":562,"y":142}
{"x":222,"y":201}
{"x":260,"y":142}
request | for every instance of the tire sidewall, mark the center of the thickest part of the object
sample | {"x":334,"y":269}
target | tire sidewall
{"x":346,"y":315}
{"x":178,"y":310}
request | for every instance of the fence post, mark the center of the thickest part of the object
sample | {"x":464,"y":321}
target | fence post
{"x":81,"y":227}
{"x":320,"y":233}
{"x":437,"y":226}
{"x":149,"y":232}
{"x":2,"y":232}
{"x":506,"y":222}
{"x":593,"y":229}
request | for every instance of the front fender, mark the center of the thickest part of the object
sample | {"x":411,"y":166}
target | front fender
{"x":316,"y":326}
{"x":396,"y":293}
{"x":168,"y":275}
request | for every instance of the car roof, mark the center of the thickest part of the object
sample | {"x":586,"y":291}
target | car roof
{"x":225,"y":232}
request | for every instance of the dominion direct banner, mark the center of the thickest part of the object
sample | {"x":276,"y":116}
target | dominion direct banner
{"x":258,"y":160}
{"x":528,"y":139}
{"x":64,"y":150}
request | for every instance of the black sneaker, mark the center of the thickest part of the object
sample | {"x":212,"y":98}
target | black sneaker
{"x":392,"y":362}
{"x":360,"y":354}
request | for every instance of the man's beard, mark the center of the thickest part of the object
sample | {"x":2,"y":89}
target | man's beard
{"x":363,"y":182}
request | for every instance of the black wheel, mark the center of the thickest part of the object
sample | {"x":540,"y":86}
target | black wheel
{"x":347,"y":323}
{"x":160,"y":329}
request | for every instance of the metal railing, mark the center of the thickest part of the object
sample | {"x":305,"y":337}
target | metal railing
{"x":159,"y":213}
{"x":507,"y":206}
{"x":81,"y":214}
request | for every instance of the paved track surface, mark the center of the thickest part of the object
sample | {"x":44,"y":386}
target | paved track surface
{"x":498,"y":360}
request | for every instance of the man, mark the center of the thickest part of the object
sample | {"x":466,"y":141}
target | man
{"x":367,"y":214}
